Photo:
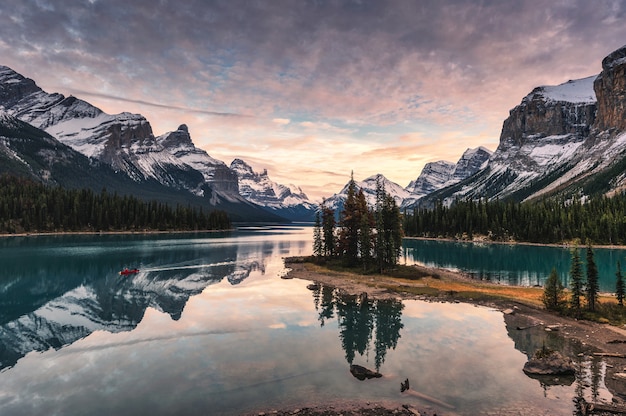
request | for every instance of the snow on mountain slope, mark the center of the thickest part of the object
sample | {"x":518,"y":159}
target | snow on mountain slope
{"x":471,"y":161}
{"x":90,"y":135}
{"x":115,"y":139}
{"x":288,"y":201}
{"x":124,"y":141}
{"x":368,"y":185}
{"x":441,"y":174}
{"x":542,"y":136}
{"x":434,"y":176}
{"x":179,"y":146}
{"x":572,"y":91}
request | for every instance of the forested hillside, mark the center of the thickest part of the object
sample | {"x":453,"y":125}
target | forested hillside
{"x":600,"y":220}
{"x":27,"y":206}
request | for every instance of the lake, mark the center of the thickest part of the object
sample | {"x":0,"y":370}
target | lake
{"x":512,"y":264}
{"x":209,"y":327}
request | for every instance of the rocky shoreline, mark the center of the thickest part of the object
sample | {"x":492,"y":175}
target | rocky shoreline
{"x":595,"y":339}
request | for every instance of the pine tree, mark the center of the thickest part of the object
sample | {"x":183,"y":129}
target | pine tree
{"x":576,"y":282}
{"x":349,"y":225}
{"x":317,"y":235}
{"x":553,"y":292}
{"x":365,"y":233}
{"x":619,"y":285}
{"x":389,"y":230}
{"x":379,"y":246}
{"x":328,"y":231}
{"x":593,"y":286}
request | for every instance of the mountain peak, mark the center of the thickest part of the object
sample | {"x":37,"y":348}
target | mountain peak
{"x":572,"y":91}
{"x":368,"y":186}
{"x":287,"y":201}
{"x":615,"y":58}
{"x":242,"y":169}
{"x":177,"y":139}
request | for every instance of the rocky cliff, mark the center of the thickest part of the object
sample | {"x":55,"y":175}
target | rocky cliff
{"x":565,"y":109}
{"x":610,"y":89}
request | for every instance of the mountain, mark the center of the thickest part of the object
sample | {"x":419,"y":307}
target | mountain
{"x":168,"y":168}
{"x":441,"y":174}
{"x":214,"y":172}
{"x":368,"y":185}
{"x":32,"y":153}
{"x":434,"y":176}
{"x":471,"y":161}
{"x":113,"y":304}
{"x":567,"y":140}
{"x":286,"y":201}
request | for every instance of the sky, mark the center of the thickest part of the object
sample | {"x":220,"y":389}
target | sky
{"x":312,"y":90}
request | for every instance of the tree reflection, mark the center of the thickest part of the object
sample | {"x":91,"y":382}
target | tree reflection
{"x":590,"y":371}
{"x":360,"y":321}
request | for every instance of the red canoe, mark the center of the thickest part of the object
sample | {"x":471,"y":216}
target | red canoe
{"x":129,"y":271}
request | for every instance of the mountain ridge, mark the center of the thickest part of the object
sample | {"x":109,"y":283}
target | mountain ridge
{"x":287,"y":201}
{"x":167,"y":168}
{"x":566,"y":140}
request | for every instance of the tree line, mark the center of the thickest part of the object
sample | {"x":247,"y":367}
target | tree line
{"x":599,"y":220}
{"x":28,"y":206}
{"x":363,"y":236}
{"x":584,"y":287}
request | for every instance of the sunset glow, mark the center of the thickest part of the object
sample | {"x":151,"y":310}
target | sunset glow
{"x":312,"y":90}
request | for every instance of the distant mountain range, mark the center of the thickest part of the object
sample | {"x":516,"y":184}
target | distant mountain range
{"x":285,"y":201}
{"x":567,"y":140}
{"x":69,"y":142}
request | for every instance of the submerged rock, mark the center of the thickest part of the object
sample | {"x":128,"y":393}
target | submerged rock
{"x":363,"y":373}
{"x":548,"y":362}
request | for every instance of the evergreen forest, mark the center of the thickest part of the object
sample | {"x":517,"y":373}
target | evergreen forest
{"x":27,"y":206}
{"x":599,"y":220}
{"x":363,"y":237}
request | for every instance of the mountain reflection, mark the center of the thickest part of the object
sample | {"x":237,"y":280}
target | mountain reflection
{"x":361,"y":320}
{"x":48,"y":300}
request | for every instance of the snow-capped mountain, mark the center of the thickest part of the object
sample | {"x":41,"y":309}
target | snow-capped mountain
{"x":287,"y":201}
{"x":441,"y":174}
{"x":471,"y":161}
{"x":567,"y":139}
{"x":178,"y":144}
{"x":434,"y":176}
{"x":368,"y":186}
{"x":113,"y":304}
{"x":125,"y":142}
{"x":32,"y":153}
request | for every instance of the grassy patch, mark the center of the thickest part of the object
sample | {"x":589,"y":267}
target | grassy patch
{"x":337,"y":265}
{"x":607,"y":312}
{"x":413,"y":290}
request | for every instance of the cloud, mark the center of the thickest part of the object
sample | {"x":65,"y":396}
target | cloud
{"x":264,"y":78}
{"x":158,"y":105}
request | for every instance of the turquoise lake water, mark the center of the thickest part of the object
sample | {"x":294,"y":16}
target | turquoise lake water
{"x":209,"y":327}
{"x":519,"y":264}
